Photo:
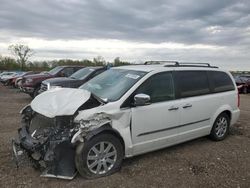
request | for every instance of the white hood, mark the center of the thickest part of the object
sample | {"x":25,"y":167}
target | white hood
{"x":59,"y":102}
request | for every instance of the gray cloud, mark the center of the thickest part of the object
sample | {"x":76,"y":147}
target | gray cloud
{"x":148,"y":20}
{"x":214,"y":22}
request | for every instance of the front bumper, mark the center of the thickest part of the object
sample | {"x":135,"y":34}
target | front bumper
{"x":28,"y":90}
{"x":22,"y":149}
{"x":43,"y":88}
{"x":17,"y":152}
{"x":54,"y":158}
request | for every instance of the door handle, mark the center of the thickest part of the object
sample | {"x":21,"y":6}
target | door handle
{"x":187,"y":106}
{"x":173,"y":108}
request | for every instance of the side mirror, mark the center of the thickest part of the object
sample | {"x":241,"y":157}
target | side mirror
{"x":141,"y":99}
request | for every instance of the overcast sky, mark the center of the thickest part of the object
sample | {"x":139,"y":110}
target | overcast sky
{"x":215,"y":31}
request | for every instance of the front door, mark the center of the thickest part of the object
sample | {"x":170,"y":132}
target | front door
{"x":153,"y":123}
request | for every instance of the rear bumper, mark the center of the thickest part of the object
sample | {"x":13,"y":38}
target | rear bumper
{"x":235,"y":116}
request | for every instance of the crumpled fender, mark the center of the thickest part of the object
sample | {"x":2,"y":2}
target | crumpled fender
{"x":87,"y":126}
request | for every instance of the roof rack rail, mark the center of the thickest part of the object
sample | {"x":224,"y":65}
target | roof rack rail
{"x":178,"y":64}
{"x":186,"y":64}
{"x":159,"y":62}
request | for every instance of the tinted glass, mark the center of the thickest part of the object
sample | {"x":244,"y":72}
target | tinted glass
{"x":159,"y":87}
{"x":113,"y":83}
{"x":82,"y":73}
{"x":68,"y":71}
{"x":97,"y":72}
{"x":221,"y":81}
{"x":192,"y":83}
{"x":55,"y":70}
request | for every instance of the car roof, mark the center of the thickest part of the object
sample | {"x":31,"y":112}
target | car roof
{"x":65,"y":66}
{"x":163,"y":67}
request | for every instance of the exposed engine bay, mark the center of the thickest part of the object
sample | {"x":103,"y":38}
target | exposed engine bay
{"x":47,"y":142}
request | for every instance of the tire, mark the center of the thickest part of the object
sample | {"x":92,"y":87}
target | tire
{"x":86,"y":157}
{"x":220,"y":128}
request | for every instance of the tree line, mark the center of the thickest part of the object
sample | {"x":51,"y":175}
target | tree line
{"x":22,"y":61}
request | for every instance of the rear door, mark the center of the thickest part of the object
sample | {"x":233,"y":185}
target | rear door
{"x":197,"y":102}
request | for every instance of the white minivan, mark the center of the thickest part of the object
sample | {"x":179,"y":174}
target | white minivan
{"x":123,"y":112}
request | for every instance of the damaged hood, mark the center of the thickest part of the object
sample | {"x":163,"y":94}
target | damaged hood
{"x":60,"y":101}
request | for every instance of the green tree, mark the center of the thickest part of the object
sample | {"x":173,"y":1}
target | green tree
{"x":118,"y":62}
{"x":22,"y":53}
{"x":99,"y":61}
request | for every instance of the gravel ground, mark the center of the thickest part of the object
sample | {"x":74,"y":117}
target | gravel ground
{"x":198,"y":163}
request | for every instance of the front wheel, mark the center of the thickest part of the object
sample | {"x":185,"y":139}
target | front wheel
{"x":100,"y":156}
{"x":220,"y":128}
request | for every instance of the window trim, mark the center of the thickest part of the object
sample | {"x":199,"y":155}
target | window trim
{"x":125,"y":105}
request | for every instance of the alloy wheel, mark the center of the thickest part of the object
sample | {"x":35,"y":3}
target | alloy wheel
{"x":101,"y":157}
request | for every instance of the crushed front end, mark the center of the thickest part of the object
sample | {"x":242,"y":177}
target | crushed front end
{"x":47,"y":143}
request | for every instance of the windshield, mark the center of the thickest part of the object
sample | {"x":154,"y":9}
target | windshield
{"x":82,"y":73}
{"x":112,"y":84}
{"x":55,"y":70}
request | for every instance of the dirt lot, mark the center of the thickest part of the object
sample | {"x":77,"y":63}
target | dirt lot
{"x":199,"y":163}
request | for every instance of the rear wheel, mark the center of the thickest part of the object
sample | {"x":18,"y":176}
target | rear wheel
{"x":100,"y":156}
{"x":220,"y":128}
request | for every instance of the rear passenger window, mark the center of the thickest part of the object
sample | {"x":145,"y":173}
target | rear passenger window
{"x":192,"y":83}
{"x":221,"y":81}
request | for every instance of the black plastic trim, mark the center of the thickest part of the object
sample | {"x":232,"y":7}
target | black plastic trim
{"x":170,"y":128}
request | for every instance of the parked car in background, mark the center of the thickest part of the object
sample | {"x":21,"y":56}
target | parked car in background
{"x":243,"y":83}
{"x":11,"y":81}
{"x":31,"y":83}
{"x":73,"y":81}
{"x":3,"y":73}
{"x":8,"y":75}
{"x":123,"y":112}
{"x":16,"y":82}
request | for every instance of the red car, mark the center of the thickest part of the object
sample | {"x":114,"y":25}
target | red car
{"x":243,"y":84}
{"x":12,"y":81}
{"x":32,"y":83}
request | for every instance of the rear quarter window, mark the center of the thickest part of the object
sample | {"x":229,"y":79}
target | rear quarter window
{"x":221,"y":81}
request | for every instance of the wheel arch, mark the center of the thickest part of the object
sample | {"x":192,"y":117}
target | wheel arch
{"x":107,"y":128}
{"x":224,"y":109}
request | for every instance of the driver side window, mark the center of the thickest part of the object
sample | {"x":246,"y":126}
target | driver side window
{"x":159,"y":87}
{"x":67,"y":71}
